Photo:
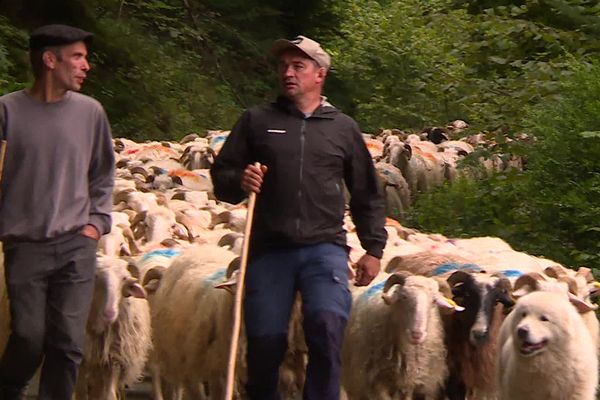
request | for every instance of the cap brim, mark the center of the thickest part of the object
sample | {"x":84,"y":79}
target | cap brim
{"x":282,"y":45}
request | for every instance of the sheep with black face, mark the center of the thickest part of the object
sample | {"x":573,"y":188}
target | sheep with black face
{"x":471,"y":335}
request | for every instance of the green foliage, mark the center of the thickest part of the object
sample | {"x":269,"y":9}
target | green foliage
{"x":12,"y":57}
{"x":414,"y":63}
{"x":551,"y":208}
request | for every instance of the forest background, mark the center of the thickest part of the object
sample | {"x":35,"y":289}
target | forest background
{"x":167,"y":68}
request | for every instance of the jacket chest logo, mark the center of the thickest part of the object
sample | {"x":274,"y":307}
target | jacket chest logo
{"x":277,"y":131}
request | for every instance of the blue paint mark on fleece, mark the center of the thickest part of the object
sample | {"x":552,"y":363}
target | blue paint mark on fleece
{"x":217,"y":276}
{"x":451,"y":266}
{"x":372,"y":291}
{"x":169,"y":253}
{"x":511,"y":273}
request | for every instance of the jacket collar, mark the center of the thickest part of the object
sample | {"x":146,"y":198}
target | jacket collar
{"x":325,"y":110}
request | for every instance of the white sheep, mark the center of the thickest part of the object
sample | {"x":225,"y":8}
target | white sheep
{"x":395,"y":188}
{"x":118,"y":336}
{"x":192,"y":320}
{"x":546,"y":352}
{"x":394,"y":348}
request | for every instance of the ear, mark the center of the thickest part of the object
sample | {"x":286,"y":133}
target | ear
{"x":447,"y":303}
{"x":321,"y":74}
{"x":389,"y":298}
{"x":152,"y":286}
{"x":49,"y":59}
{"x":580,"y":305}
{"x":136,"y":290}
{"x":229,"y":284}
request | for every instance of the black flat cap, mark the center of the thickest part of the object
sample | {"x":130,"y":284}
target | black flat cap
{"x":57,"y":35}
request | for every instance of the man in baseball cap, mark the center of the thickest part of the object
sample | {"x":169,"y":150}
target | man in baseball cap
{"x":308,"y":46}
{"x":59,"y":143}
{"x":307,"y":150}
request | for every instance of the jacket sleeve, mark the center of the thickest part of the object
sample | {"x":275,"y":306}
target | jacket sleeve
{"x":101,"y":176}
{"x":226,"y":172}
{"x":367,"y":205}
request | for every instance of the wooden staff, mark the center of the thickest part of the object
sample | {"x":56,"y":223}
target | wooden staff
{"x":237,"y":311}
{"x":2,"y":154}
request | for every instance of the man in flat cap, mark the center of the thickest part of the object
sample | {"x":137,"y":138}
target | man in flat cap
{"x":307,"y":150}
{"x":55,"y":203}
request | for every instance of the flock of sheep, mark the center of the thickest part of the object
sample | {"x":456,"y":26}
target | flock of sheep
{"x":439,"y":322}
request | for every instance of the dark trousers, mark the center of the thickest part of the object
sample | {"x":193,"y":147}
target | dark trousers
{"x":50,"y":287}
{"x":319,"y":273}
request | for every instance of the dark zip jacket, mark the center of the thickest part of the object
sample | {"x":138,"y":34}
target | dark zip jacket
{"x":302,"y":198}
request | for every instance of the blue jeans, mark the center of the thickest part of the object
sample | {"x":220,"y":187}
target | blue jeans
{"x":320,"y":273}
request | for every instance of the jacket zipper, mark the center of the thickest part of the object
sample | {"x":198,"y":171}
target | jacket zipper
{"x":302,"y":141}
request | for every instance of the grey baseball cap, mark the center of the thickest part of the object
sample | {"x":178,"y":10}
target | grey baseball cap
{"x":306,"y":45}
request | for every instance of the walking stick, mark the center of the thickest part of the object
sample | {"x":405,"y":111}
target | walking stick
{"x":237,"y":310}
{"x":2,"y":153}
{"x":2,"y":141}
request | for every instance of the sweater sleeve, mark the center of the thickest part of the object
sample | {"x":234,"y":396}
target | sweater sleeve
{"x":229,"y":165}
{"x":101,"y":176}
{"x":367,"y":205}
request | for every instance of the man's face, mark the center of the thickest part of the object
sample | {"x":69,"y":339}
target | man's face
{"x":299,"y":75}
{"x":71,"y":66}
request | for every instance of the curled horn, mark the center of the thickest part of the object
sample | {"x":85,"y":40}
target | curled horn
{"x":128,"y":234}
{"x":571,"y":283}
{"x":122,"y":196}
{"x":233,"y":266}
{"x":458,"y":277}
{"x":554,"y":271}
{"x":139,"y":217}
{"x":393,"y":264}
{"x":136,"y":223}
{"x":169,"y":243}
{"x":211,"y":151}
{"x":229,"y":239}
{"x":154,"y":273}
{"x":122,"y":163}
{"x":179,"y":195}
{"x":531,"y":279}
{"x":185,"y":154}
{"x":396,"y":278}
{"x":133,"y":269}
{"x":586,"y":273}
{"x":140,"y":170}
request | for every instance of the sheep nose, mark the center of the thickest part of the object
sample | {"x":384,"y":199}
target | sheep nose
{"x":479,"y":336}
{"x":417,"y":337}
{"x":522,"y":332}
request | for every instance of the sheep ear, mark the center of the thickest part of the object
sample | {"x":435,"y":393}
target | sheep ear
{"x":594,"y":289}
{"x":580,"y":305}
{"x":152,"y":286}
{"x":229,"y":284}
{"x":447,"y":303}
{"x":389,"y":298}
{"x":136,"y":290}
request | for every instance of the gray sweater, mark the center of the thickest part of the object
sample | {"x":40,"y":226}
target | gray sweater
{"x":59,"y":167}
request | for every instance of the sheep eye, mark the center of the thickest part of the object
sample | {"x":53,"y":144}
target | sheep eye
{"x":523,"y":314}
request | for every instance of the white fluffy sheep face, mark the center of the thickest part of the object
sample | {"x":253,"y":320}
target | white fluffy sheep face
{"x":539,"y":322}
{"x":113,"y":282}
{"x":415,"y":298}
